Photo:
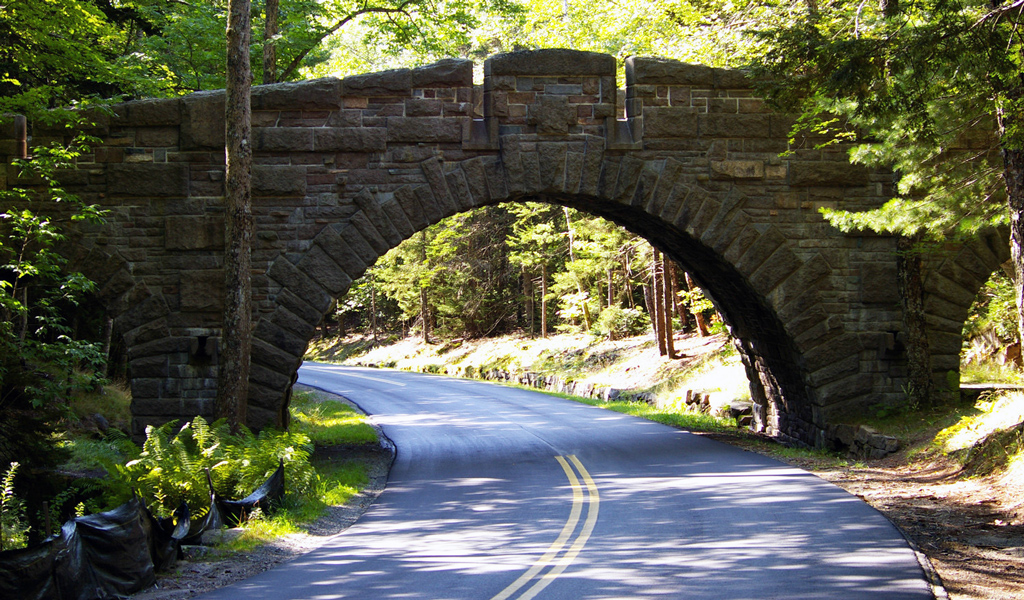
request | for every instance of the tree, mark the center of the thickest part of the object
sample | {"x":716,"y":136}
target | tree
{"x":236,"y":334}
{"x":535,"y":243}
{"x":935,"y":90}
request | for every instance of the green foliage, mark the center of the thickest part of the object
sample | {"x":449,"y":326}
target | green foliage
{"x":922,"y":87}
{"x":41,"y":363}
{"x":994,"y":310}
{"x":329,"y":422}
{"x":13,"y":529}
{"x":174,"y":462}
{"x":616,"y":322}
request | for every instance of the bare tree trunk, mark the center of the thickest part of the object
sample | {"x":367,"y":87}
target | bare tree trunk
{"x":658,"y":302}
{"x":652,"y":310}
{"x":528,"y":297}
{"x":543,"y":300}
{"x":611,"y":287}
{"x":233,"y":383}
{"x":269,"y":44}
{"x":424,"y":307}
{"x":666,"y":293}
{"x":373,"y":314}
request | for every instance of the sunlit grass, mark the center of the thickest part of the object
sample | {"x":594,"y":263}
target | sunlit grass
{"x":329,"y":422}
{"x":993,"y":414}
{"x":990,"y":372}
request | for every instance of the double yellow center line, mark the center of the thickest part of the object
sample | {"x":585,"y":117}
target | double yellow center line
{"x":557,"y":557}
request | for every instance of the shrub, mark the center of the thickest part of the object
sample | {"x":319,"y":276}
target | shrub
{"x":616,"y":322}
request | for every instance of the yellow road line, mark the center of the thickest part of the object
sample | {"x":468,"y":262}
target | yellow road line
{"x":594,"y":502}
{"x":556,"y":547}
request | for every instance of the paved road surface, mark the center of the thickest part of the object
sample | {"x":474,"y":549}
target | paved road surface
{"x":499,"y":493}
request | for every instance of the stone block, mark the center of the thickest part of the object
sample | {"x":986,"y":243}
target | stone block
{"x":194,"y":233}
{"x":554,"y":115}
{"x":424,"y":129}
{"x":300,"y":95}
{"x":287,"y":275}
{"x":670,"y":122}
{"x":552,"y":165}
{"x":269,"y":355}
{"x":202,"y":291}
{"x":149,"y":112}
{"x":202,"y":123}
{"x":324,"y":271}
{"x":278,"y":180}
{"x":445,"y":73}
{"x":826,"y":174}
{"x":282,"y":139}
{"x":397,"y":82}
{"x":148,"y":179}
{"x":423,"y":107}
{"x":733,"y":126}
{"x":660,"y":71}
{"x":350,"y":139}
{"x":551,"y":63}
{"x":737,"y":169}
{"x":156,"y":137}
{"x":878,"y":283}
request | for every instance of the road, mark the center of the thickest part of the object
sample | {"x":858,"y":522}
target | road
{"x":499,"y":493}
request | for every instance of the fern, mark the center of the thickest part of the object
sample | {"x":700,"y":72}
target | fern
{"x":174,"y":461}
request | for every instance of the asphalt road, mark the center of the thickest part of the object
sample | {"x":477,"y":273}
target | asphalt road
{"x":499,"y":493}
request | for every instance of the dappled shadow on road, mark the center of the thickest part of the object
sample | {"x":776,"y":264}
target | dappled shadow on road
{"x":659,"y":534}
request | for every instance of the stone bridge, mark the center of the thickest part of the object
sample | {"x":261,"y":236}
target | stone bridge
{"x":345,"y":169}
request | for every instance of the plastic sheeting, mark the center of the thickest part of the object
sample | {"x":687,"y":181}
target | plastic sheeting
{"x":117,"y":553}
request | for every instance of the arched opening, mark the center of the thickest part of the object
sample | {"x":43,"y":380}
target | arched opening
{"x":746,"y":269}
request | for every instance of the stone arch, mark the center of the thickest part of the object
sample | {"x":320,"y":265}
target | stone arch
{"x":798,"y":360}
{"x":952,"y":281}
{"x":140,"y":316}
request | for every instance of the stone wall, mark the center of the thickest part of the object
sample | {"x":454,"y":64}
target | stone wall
{"x":345,"y":169}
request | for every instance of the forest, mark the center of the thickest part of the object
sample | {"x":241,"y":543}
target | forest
{"x":903,"y":82}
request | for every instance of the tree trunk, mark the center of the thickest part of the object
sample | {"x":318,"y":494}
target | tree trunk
{"x":424,"y":308}
{"x":702,"y":325}
{"x":666,"y":290}
{"x":269,"y":48}
{"x":1013,"y":173}
{"x":236,"y":336}
{"x":373,"y":312}
{"x":543,"y":300}
{"x":911,"y":290}
{"x":528,"y":297}
{"x":658,"y":302}
{"x":684,"y":320}
{"x":611,"y":287}
{"x":652,"y":310}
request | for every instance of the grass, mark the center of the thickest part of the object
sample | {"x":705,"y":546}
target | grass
{"x":337,"y":482}
{"x":989,"y":372}
{"x":667,"y":416}
{"x":329,"y":422}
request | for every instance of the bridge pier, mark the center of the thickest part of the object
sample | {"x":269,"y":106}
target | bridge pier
{"x":345,"y":169}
